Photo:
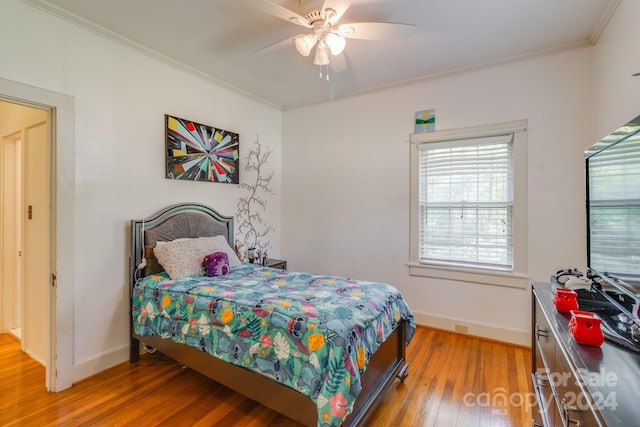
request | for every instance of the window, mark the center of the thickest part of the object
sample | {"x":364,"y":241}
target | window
{"x":468,"y":197}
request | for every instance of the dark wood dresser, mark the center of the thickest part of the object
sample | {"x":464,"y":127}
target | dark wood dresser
{"x":575,"y":384}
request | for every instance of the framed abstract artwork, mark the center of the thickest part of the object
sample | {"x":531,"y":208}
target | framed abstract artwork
{"x":198,"y":152}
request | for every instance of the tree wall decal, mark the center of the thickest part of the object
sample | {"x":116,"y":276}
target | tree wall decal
{"x":253,"y":203}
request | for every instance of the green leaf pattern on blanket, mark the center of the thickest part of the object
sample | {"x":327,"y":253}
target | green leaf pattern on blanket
{"x":313,"y":333}
{"x":336,"y":375}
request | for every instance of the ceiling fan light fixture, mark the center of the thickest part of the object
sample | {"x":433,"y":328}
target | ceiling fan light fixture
{"x":304,"y":44}
{"x":336,"y":43}
{"x":322,"y":54}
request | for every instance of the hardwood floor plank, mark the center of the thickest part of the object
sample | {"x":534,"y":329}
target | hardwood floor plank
{"x":454,"y":380}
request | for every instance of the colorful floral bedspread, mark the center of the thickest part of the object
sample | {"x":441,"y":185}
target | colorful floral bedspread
{"x":313,"y":333}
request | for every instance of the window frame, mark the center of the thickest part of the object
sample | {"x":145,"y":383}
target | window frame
{"x":518,"y":276}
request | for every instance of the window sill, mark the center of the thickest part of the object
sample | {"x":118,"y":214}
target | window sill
{"x":483,"y":277}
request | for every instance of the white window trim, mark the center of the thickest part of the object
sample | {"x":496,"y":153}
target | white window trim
{"x":518,"y":278}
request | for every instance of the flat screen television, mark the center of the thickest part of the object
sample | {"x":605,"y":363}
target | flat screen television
{"x":612,"y":169}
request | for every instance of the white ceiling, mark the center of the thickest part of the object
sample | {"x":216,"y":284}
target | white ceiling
{"x":217,"y":38}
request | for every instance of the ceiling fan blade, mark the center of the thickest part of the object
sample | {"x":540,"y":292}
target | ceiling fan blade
{"x":278,"y":11}
{"x":273,"y":47}
{"x":340,"y":7}
{"x":338,"y":63}
{"x":376,"y":30}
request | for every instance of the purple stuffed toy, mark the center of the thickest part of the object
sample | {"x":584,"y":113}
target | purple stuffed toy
{"x":216,"y":264}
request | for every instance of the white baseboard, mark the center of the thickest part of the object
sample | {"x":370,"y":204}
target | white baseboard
{"x":509,"y":335}
{"x":98,"y":364}
{"x":35,"y":357}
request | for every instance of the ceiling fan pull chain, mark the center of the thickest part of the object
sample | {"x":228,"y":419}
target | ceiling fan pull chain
{"x":324,"y":72}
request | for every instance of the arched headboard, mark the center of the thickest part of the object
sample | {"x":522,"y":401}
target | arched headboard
{"x":184,"y":220}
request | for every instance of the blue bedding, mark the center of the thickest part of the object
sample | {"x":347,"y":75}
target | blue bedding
{"x":314,"y":333}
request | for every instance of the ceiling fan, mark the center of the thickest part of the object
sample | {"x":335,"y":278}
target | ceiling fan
{"x":326,"y":35}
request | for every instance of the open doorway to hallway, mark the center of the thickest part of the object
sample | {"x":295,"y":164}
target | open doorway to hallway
{"x":60,"y":180}
{"x":25,"y":227}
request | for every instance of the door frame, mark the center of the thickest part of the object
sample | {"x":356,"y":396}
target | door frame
{"x":61,"y":123}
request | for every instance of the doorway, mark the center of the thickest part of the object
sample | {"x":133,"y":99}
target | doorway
{"x":25,"y":227}
{"x":61,"y":183}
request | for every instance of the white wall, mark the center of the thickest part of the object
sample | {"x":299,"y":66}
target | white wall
{"x":616,"y":58}
{"x":121,"y":97}
{"x":346,"y":183}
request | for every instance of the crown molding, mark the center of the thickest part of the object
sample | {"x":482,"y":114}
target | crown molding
{"x":461,"y":70}
{"x":126,"y":42}
{"x":610,"y":9}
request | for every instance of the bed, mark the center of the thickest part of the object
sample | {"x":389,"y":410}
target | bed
{"x":321,"y":350}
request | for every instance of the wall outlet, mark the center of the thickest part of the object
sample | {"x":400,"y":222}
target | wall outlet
{"x":463,"y":329}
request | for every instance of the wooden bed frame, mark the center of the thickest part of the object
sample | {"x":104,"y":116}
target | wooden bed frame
{"x":387,"y":363}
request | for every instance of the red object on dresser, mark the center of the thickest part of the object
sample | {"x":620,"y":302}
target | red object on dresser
{"x":585,"y":327}
{"x":565,"y":300}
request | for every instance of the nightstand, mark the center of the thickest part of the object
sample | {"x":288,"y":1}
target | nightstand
{"x":276,"y":263}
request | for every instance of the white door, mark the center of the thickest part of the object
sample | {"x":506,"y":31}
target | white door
{"x":36,"y":245}
{"x":10,"y":243}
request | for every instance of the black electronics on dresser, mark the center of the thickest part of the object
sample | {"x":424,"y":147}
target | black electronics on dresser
{"x":609,"y":298}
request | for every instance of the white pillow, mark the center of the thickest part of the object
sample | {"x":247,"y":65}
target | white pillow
{"x":183,"y":257}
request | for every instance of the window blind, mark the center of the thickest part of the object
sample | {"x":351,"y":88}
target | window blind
{"x":466,"y":202}
{"x":614,"y":209}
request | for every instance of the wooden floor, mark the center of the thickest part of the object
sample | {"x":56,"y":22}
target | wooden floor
{"x":454,"y":380}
